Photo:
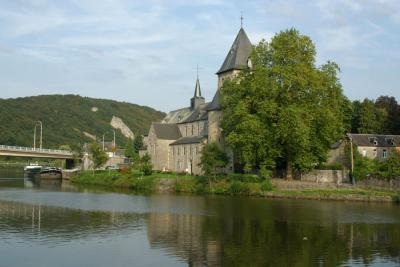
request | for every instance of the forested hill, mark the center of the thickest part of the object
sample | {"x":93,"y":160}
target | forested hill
{"x":69,"y":119}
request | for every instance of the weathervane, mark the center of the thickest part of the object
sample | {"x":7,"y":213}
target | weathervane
{"x":241,"y":19}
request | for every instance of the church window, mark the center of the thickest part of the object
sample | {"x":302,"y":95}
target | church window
{"x":384,"y":154}
{"x":192,"y":129}
{"x":184,"y":150}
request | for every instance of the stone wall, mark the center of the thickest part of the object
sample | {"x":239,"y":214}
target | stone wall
{"x":326,"y":176}
{"x":186,"y":158}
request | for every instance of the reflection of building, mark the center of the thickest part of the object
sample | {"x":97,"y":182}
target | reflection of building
{"x":183,"y":235}
{"x":175,"y":143}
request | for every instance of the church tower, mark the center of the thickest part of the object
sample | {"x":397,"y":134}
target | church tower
{"x":237,"y":58}
{"x":197,"y":99}
{"x":235,"y":61}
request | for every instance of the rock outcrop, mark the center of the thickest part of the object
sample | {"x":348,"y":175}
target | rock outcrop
{"x":117,"y":123}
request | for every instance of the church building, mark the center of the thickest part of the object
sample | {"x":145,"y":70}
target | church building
{"x":175,"y":143}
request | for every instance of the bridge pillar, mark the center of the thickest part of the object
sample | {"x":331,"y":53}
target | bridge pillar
{"x":69,"y":164}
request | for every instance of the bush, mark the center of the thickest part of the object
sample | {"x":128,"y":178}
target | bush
{"x":333,"y":166}
{"x":237,"y":187}
{"x":245,"y":178}
{"x":266,"y":185}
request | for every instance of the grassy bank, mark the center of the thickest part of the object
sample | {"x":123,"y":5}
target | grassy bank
{"x":249,"y":185}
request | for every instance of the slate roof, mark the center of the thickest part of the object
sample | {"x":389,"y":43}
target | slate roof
{"x":215,"y":103}
{"x":167,"y":131}
{"x":197,"y":89}
{"x":188,"y":140}
{"x":238,"y":54}
{"x":375,"y":140}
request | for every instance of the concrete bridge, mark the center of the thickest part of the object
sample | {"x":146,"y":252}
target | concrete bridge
{"x":30,"y":152}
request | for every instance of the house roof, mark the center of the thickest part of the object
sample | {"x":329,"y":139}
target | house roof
{"x":375,"y":140}
{"x":215,"y":103}
{"x":238,"y":54}
{"x":188,"y":140}
{"x":166,"y":131}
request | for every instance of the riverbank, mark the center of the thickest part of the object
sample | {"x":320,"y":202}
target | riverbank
{"x":249,"y":185}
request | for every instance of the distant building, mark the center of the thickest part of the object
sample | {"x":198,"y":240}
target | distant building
{"x":175,"y":144}
{"x":376,"y":146}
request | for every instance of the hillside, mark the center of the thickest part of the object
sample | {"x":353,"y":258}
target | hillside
{"x":66,"y":118}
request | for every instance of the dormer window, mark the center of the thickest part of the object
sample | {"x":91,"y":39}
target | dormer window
{"x":373,"y":141}
{"x":390,"y":141}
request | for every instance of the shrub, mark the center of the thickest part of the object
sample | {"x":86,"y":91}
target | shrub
{"x":332,"y":166}
{"x":266,"y":185}
{"x":237,"y":187}
{"x":246,"y":178}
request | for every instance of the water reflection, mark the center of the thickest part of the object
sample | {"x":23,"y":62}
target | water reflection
{"x":245,"y":235}
{"x":47,"y":222}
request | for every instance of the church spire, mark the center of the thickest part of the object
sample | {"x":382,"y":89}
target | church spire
{"x":197,"y":90}
{"x":197,"y":99}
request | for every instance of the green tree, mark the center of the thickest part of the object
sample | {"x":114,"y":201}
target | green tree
{"x":212,"y":160}
{"x":129,"y":149}
{"x":145,"y":165}
{"x":138,"y":143}
{"x":284,"y":110}
{"x":367,"y":118}
{"x":392,"y":108}
{"x":99,"y":157}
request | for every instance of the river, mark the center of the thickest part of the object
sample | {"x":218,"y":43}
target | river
{"x":57,"y":224}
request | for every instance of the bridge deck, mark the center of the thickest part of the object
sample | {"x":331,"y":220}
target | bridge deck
{"x":34,"y":152}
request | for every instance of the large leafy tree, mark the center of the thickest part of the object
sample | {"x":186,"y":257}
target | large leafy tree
{"x":392,"y":108}
{"x":284,"y":110}
{"x":368,"y":118}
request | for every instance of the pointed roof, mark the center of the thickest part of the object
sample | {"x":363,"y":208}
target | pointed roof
{"x":215,"y":103}
{"x":197,"y":90}
{"x":238,"y":54}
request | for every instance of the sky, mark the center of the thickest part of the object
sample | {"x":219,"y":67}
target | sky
{"x":146,"y":52}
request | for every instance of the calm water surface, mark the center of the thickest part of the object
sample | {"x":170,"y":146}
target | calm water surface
{"x":54,"y":224}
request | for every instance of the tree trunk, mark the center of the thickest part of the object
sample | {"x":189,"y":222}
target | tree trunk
{"x":289,"y":170}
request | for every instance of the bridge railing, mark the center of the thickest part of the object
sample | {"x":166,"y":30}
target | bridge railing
{"x":31,"y":149}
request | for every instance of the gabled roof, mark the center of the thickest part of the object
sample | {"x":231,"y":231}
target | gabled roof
{"x":375,"y":140}
{"x":238,"y":54}
{"x":166,"y":131}
{"x":188,"y":140}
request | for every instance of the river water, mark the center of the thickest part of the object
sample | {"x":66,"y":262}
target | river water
{"x":57,"y":224}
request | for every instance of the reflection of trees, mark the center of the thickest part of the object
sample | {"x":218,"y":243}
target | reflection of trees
{"x":244,"y":232}
{"x":56,"y":224}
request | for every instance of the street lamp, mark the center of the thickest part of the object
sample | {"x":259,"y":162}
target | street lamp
{"x":41,"y":135}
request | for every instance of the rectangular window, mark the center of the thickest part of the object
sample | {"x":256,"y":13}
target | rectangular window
{"x":384,"y":154}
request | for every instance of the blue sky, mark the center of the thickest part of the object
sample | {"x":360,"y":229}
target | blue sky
{"x":146,"y":52}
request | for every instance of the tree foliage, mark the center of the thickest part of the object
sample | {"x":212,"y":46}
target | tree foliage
{"x":368,"y":118}
{"x":145,"y":165}
{"x":66,"y":118}
{"x":98,"y":156}
{"x":129,"y":149}
{"x":138,"y":143}
{"x":213,"y":159}
{"x":285,"y":110}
